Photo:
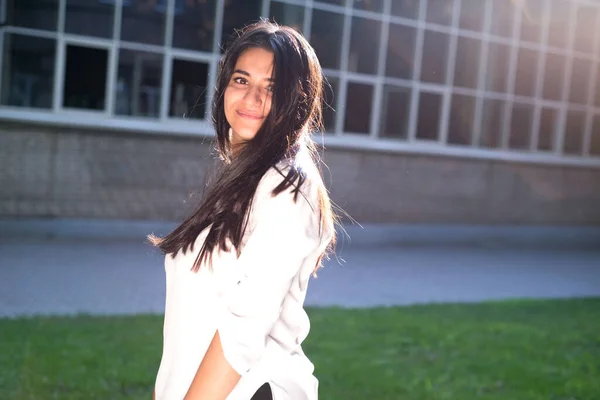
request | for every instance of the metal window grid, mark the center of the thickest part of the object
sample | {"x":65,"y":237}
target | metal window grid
{"x":165,"y":123}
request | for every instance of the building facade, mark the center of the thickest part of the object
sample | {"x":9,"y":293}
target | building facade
{"x":468,"y":111}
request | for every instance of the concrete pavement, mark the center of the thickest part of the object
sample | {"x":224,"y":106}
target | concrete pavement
{"x":104,"y":267}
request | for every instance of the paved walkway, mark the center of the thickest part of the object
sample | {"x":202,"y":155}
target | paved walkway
{"x":107,"y":269}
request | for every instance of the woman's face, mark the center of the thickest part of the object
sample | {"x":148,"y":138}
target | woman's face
{"x":248,"y":94}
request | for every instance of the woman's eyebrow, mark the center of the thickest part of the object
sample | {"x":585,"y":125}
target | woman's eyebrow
{"x":246,"y":73}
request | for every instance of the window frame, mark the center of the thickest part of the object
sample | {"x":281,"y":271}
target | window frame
{"x":107,"y":118}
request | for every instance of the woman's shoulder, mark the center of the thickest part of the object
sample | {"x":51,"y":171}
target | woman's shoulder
{"x":305,"y":181}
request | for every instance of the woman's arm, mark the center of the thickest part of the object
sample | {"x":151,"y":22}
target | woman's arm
{"x":215,"y":378}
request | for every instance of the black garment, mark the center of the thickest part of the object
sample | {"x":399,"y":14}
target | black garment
{"x":263,"y":393}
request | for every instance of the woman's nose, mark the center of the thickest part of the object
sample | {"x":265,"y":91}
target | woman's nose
{"x":254,"y":95}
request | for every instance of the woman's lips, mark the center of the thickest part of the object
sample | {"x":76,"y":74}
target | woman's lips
{"x":249,"y":115}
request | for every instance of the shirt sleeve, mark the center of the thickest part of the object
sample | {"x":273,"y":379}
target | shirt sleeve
{"x":285,"y":233}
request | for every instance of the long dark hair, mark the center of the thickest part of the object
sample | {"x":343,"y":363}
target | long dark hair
{"x":296,"y":112}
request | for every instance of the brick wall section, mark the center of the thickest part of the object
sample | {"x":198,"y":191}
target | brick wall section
{"x":59,"y":172}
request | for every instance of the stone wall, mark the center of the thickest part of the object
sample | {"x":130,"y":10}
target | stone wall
{"x":68,"y":173}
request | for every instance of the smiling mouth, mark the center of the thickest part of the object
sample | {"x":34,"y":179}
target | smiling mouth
{"x":249,"y":115}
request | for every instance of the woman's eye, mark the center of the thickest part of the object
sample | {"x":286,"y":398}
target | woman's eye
{"x":271,"y":89}
{"x":240,"y":80}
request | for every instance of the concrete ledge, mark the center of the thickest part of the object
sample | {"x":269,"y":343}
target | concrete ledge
{"x":366,"y":235}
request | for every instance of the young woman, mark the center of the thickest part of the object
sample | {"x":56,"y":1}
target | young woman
{"x":237,"y":270}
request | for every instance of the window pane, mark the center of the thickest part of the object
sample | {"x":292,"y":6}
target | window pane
{"x":288,"y":14}
{"x":553,"y":76}
{"x":559,"y":23}
{"x":462,"y":112}
{"x":595,"y":142}
{"x":532,"y":18}
{"x":520,"y":126}
{"x":440,"y":11}
{"x":400,"y":52}
{"x":38,"y":14}
{"x":237,"y":14}
{"x":584,"y":31}
{"x":406,"y":8}
{"x":527,"y":61}
{"x":471,"y":16}
{"x":493,"y":117}
{"x":336,"y":2}
{"x":143,"y":22}
{"x":330,"y":93}
{"x":358,"y":108}
{"x":188,"y":89}
{"x":466,"y":67}
{"x":28,"y":71}
{"x":497,"y":67}
{"x":326,"y":37}
{"x":369,"y":5}
{"x":547,"y":132}
{"x":89,"y":18}
{"x":430,"y":106}
{"x":396,"y":103}
{"x":580,"y":81}
{"x":503,"y":16}
{"x":138,"y":84}
{"x":194,"y":25}
{"x":85,"y":78}
{"x":364,"y":50}
{"x":573,"y":141}
{"x":433,"y":66}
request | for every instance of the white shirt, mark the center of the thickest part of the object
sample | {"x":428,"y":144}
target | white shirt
{"x":254,"y":301}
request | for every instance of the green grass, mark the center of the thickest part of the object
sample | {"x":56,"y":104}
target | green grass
{"x":517,"y":350}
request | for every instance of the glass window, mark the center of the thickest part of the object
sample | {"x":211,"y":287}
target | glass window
{"x":138,"y":84}
{"x":358,"y":108}
{"x":527,"y":62}
{"x":364,"y":48}
{"x":336,"y":2}
{"x":326,"y":37}
{"x":287,"y":14}
{"x":559,"y":23}
{"x":237,"y":14}
{"x":532,"y":18}
{"x":330,"y":93}
{"x":406,"y":9}
{"x":369,"y":5}
{"x":85,"y":77}
{"x":547,"y":130}
{"x":580,"y":80}
{"x":472,"y":14}
{"x":520,"y":126}
{"x":194,"y":25}
{"x":28,"y":71}
{"x":189,"y":82}
{"x":430,"y":108}
{"x":493,"y":117}
{"x":595,"y":139}
{"x":573,"y":140}
{"x":435,"y":55}
{"x":466,"y":69}
{"x":88,"y":18}
{"x":462,"y":113}
{"x":37,"y":14}
{"x":396,"y":106}
{"x":503,"y":17}
{"x":143,"y":22}
{"x":497,"y":67}
{"x":584,"y":31}
{"x":400,"y":52}
{"x":440,"y":11}
{"x":553,"y":76}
